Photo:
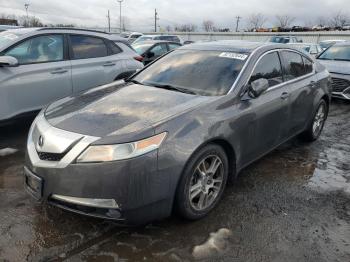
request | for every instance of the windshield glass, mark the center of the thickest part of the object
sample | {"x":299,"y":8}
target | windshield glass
{"x":279,"y":39}
{"x":210,"y":73}
{"x":143,"y":38}
{"x":7,"y":38}
{"x":140,"y":48}
{"x":335,"y":52}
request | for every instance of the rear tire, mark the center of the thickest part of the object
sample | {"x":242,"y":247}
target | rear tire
{"x":202,"y":183}
{"x":315,"y":128}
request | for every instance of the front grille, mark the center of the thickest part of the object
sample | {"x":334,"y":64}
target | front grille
{"x":50,"y":156}
{"x":339,"y":84}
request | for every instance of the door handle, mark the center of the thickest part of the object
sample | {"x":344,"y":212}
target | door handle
{"x":59,"y":71}
{"x":284,"y":95}
{"x":109,"y":64}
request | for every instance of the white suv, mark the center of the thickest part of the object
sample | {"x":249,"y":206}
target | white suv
{"x":40,"y":65}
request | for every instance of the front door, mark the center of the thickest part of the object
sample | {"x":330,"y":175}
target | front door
{"x":42,"y":76}
{"x":265,"y":117}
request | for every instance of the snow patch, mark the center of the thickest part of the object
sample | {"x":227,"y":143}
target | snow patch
{"x":7,"y":151}
{"x":216,"y":244}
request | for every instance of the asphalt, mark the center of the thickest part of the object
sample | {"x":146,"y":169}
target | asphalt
{"x":292,"y":205}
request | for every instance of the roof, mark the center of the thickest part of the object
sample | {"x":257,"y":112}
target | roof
{"x":155,"y":42}
{"x":345,"y":43}
{"x":230,"y":45}
{"x":23,"y":31}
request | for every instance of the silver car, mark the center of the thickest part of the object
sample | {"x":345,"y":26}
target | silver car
{"x":337,"y":60}
{"x":40,"y":65}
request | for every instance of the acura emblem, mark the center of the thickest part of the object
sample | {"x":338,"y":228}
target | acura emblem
{"x":41,"y":141}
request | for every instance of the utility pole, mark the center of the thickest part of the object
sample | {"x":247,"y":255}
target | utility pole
{"x":120,"y":14}
{"x":109,"y":22}
{"x":26,"y":7}
{"x":238,"y":18}
{"x":156,"y":18}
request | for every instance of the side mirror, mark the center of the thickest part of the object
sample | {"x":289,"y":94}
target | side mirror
{"x":150,"y":54}
{"x":258,"y":87}
{"x":9,"y":61}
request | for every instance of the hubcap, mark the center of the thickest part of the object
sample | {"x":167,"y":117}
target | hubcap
{"x":319,"y":120}
{"x":206,"y":182}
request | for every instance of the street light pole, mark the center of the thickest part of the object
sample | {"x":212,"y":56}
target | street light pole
{"x":120,"y":14}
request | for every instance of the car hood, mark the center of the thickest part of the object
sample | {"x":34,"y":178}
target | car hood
{"x":119,"y":110}
{"x":338,"y":67}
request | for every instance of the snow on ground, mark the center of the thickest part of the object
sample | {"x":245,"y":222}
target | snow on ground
{"x":7,"y":151}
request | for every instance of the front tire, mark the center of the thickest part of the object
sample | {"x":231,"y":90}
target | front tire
{"x":202,"y":183}
{"x":315,"y":128}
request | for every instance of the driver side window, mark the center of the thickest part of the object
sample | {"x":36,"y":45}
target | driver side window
{"x":269,"y":67}
{"x":159,"y":50}
{"x":46,"y":48}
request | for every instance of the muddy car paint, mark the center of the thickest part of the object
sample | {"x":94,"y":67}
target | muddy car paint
{"x":144,"y":187}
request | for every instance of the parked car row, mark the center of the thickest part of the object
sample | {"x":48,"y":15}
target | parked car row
{"x":172,"y":136}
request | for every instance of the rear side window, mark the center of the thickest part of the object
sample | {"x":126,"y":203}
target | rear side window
{"x":307,"y":65}
{"x":159,"y":50}
{"x":115,"y":49}
{"x":294,"y":65}
{"x":269,"y":67}
{"x":87,"y":47}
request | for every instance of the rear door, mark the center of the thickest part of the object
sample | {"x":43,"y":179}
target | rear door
{"x":92,"y":62}
{"x":42,"y":76}
{"x":269,"y":113}
{"x":301,"y":80}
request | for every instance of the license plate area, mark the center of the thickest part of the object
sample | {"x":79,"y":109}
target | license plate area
{"x":33,"y":184}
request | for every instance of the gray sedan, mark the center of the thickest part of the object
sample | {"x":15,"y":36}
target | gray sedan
{"x":171,"y":137}
{"x":337,"y":60}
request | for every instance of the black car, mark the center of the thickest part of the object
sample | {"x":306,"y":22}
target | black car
{"x":171,"y":137}
{"x":152,"y":49}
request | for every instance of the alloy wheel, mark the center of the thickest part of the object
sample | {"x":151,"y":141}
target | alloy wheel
{"x":319,"y":120}
{"x":206,"y":182}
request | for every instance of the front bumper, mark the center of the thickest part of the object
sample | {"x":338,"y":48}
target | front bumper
{"x":131,"y":191}
{"x":341,"y":86}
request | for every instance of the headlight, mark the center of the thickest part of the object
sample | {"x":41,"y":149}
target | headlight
{"x":106,"y":153}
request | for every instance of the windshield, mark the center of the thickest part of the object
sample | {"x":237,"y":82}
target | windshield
{"x":210,"y":73}
{"x":143,"y":38}
{"x":341,"y":53}
{"x":7,"y":38}
{"x":279,"y":39}
{"x":140,"y":48}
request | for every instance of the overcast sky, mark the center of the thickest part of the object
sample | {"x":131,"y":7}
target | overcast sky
{"x":140,"y":13}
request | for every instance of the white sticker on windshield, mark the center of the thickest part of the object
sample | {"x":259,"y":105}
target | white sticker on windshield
{"x":234,"y":56}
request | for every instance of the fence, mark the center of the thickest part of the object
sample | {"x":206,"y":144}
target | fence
{"x":307,"y":37}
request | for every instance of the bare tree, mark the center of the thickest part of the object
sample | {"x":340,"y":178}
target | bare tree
{"x":168,"y":28}
{"x":339,"y":20}
{"x":256,"y":21}
{"x":322,"y":21}
{"x":284,"y":21}
{"x":186,"y":28}
{"x":208,"y":25}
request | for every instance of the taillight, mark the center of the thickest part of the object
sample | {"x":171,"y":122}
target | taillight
{"x":138,"y":58}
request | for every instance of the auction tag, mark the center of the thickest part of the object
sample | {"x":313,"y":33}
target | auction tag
{"x":234,"y":56}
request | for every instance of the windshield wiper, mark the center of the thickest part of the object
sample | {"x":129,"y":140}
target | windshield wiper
{"x":174,"y":88}
{"x":339,"y":59}
{"x":134,"y":81}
